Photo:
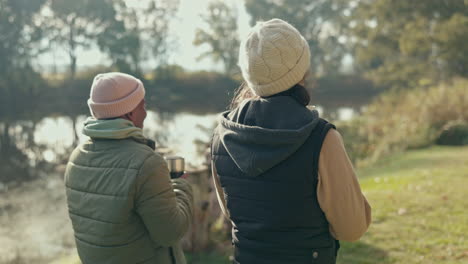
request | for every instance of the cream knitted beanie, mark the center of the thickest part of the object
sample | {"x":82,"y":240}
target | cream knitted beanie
{"x":114,"y":94}
{"x":274,"y":57}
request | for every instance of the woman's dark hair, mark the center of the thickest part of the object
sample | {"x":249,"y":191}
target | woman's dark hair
{"x":298,"y":92}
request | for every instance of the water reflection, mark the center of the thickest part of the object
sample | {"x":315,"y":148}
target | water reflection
{"x":58,"y":134}
{"x":175,"y":131}
{"x":28,"y":147}
{"x":181,"y":133}
{"x":19,"y":154}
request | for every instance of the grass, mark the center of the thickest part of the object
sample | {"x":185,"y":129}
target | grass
{"x":71,"y":259}
{"x":419,"y":201}
{"x":207,"y":258}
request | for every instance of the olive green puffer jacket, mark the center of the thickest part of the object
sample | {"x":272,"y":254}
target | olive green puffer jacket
{"x":123,"y":206}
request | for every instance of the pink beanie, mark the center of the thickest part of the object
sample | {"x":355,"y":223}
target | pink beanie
{"x":114,"y":94}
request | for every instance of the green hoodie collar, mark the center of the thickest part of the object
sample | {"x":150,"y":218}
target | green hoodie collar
{"x":112,"y":129}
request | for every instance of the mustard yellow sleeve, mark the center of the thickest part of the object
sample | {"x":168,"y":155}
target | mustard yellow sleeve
{"x":339,"y":193}
{"x":219,"y":192}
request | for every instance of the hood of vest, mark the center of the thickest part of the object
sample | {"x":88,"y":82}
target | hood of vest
{"x":261,"y":133}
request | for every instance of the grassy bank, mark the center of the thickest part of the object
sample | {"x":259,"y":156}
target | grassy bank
{"x":419,"y":202}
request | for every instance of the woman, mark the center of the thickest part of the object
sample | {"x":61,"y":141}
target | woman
{"x":282,"y":174}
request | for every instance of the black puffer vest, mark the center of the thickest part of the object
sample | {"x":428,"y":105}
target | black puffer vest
{"x":268,"y":169}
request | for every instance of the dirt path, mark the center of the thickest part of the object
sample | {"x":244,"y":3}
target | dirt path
{"x":34,"y":224}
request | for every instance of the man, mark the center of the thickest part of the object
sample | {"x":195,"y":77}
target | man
{"x":123,"y":206}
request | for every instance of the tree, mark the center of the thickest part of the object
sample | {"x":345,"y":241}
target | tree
{"x":319,"y":21}
{"x":19,"y":39}
{"x":156,"y":28}
{"x":77,"y":23}
{"x":221,"y":36}
{"x":409,"y":43}
{"x":19,"y":83}
{"x":140,"y":34}
{"x":18,"y":33}
{"x":122,"y":40}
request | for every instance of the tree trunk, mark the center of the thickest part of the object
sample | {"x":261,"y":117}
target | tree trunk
{"x":72,"y":65}
{"x":75,"y":134}
{"x":5,"y":139}
{"x":72,"y":50}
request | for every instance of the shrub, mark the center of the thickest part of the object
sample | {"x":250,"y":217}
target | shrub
{"x":201,"y":92}
{"x":454,"y":133}
{"x":404,"y":119}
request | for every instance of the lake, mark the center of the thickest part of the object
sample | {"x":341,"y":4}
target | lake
{"x":50,"y":139}
{"x":177,"y":132}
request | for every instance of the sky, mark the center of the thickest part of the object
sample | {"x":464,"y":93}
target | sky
{"x":183,"y":28}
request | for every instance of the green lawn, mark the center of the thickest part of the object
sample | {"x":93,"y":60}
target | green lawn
{"x":419,"y":204}
{"x":211,"y":258}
